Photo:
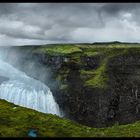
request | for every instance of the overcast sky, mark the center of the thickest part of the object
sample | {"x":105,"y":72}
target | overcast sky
{"x":36,"y":23}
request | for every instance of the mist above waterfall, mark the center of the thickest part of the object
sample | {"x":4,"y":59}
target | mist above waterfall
{"x":21,"y":58}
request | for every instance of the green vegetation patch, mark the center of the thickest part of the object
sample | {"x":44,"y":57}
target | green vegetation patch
{"x":91,"y":53}
{"x":75,"y":58}
{"x":100,"y":78}
{"x":63,"y":73}
{"x":87,"y":72}
{"x":59,"y":49}
{"x":63,"y":87}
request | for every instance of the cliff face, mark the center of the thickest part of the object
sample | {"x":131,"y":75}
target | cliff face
{"x":94,"y":85}
{"x":124,"y":73}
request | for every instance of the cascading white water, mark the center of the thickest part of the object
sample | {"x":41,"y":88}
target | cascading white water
{"x":23,"y":90}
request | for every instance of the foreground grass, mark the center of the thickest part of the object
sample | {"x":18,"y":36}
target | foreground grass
{"x":16,"y":121}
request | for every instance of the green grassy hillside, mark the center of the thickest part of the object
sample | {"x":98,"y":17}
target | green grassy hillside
{"x":16,"y":121}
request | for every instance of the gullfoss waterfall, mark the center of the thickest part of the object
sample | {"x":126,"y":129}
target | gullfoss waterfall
{"x":25,"y":91}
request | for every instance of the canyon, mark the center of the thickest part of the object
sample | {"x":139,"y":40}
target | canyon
{"x":94,"y":84}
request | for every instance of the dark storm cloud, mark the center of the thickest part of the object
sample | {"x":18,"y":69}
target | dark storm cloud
{"x":118,"y":7}
{"x":31,"y":23}
{"x":7,"y":8}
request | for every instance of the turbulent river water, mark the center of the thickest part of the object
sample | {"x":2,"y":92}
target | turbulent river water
{"x":25,"y":91}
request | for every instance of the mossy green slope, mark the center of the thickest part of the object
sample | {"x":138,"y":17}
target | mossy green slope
{"x":16,"y":121}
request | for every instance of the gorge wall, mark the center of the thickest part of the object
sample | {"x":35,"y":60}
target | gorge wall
{"x":96,"y":85}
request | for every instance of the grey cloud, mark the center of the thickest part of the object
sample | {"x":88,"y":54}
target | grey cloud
{"x":7,"y":8}
{"x":73,"y":22}
{"x":115,"y":8}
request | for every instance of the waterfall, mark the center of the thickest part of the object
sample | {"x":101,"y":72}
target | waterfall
{"x":25,"y":91}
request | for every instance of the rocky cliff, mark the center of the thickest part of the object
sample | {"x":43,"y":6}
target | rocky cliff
{"x":94,"y":84}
